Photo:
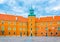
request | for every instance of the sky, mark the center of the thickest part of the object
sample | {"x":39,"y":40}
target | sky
{"x":21,"y":7}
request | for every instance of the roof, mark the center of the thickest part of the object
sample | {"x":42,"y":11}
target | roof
{"x":37,"y":20}
{"x":7,"y":17}
{"x":46,"y":19}
{"x":31,"y":12}
{"x":22,"y":19}
{"x":12,"y":18}
{"x":56,"y":18}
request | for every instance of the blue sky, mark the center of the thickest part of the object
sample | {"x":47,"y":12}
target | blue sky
{"x":21,"y":7}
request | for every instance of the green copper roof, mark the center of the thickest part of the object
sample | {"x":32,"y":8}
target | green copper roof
{"x":31,"y":15}
{"x":31,"y":12}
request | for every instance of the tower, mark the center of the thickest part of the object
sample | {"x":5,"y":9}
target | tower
{"x":31,"y":22}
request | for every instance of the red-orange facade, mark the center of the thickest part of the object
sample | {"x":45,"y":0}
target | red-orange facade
{"x":11,"y":25}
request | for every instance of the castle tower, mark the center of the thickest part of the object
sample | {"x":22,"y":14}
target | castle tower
{"x":31,"y":23}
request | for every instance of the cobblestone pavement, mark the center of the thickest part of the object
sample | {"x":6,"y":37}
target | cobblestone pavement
{"x":29,"y":39}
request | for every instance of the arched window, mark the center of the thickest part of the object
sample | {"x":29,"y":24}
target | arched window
{"x":2,"y":28}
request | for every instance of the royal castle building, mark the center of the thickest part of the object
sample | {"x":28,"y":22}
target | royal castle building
{"x":11,"y":25}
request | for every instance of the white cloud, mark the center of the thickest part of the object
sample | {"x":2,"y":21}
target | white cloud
{"x":2,"y":1}
{"x":52,"y":8}
{"x":56,"y":8}
{"x":11,"y":3}
{"x":18,"y":9}
{"x":52,"y":1}
{"x":23,"y":14}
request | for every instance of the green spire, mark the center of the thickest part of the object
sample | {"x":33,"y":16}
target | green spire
{"x":31,"y":12}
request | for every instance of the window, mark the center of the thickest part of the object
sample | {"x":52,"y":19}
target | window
{"x":31,"y":19}
{"x":16,"y":18}
{"x":24,"y":29}
{"x":25,"y":23}
{"x":15,"y":23}
{"x":14,"y":28}
{"x":9,"y":22}
{"x":31,"y":34}
{"x":51,"y":33}
{"x":58,"y":22}
{"x":50,"y":23}
{"x":2,"y":22}
{"x":30,"y":28}
{"x":2,"y":28}
{"x":53,"y":27}
{"x":36,"y":29}
{"x":46,"y":34}
{"x":46,"y":23}
{"x":20,"y":24}
{"x":46,"y":28}
{"x":24,"y":33}
{"x":20,"y":28}
{"x":14,"y":33}
{"x":2,"y":32}
{"x":9,"y":28}
{"x":27,"y":33}
{"x":58,"y":28}
{"x":36,"y":23}
{"x":9,"y":33}
{"x":41,"y":23}
{"x":31,"y":24}
{"x":56,"y":33}
{"x":20,"y":33}
{"x":41,"y":33}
